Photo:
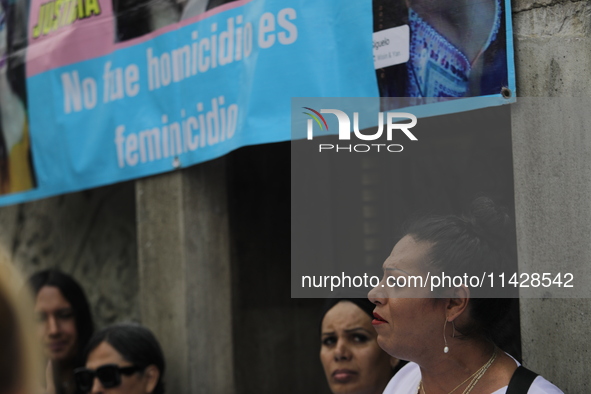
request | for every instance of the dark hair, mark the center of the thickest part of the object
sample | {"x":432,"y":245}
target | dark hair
{"x":73,"y":293}
{"x":481,"y":241}
{"x":136,"y":344}
{"x":366,"y":306}
{"x":363,"y":303}
{"x":355,"y":296}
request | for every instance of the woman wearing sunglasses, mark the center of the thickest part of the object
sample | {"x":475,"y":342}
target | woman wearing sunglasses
{"x":122,"y":359}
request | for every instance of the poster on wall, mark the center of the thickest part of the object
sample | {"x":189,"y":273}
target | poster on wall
{"x":95,"y":92}
{"x":429,"y":54}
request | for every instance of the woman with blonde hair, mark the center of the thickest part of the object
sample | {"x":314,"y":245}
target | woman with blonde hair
{"x":20,"y":361}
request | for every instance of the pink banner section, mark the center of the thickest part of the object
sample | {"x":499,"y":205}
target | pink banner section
{"x":63,"y":32}
{"x":67,"y":31}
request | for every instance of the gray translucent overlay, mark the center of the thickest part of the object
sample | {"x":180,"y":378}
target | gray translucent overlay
{"x":352,"y":198}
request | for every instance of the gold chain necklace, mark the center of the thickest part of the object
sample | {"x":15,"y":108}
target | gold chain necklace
{"x":475,"y":377}
{"x":478,"y":376}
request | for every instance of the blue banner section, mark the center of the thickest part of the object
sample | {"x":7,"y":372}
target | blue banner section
{"x":200,"y":90}
{"x":193,"y":94}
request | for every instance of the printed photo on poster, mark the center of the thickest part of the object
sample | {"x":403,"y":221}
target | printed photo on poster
{"x":135,"y":18}
{"x":16,"y":170}
{"x":452,"y":48}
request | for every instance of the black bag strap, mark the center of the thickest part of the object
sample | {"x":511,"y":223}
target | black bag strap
{"x":521,"y":381}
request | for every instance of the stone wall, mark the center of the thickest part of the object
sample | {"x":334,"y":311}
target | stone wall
{"x":551,"y":154}
{"x":90,"y":235}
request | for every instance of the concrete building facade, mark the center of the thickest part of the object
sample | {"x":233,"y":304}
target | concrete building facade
{"x":201,"y":255}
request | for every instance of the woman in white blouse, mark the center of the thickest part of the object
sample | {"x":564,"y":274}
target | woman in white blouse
{"x":448,"y":334}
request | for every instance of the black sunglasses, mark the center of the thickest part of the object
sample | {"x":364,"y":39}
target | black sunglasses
{"x":109,"y":376}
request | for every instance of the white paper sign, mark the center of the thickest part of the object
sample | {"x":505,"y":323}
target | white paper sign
{"x":391,"y":46}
